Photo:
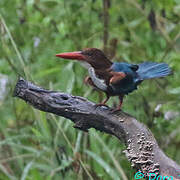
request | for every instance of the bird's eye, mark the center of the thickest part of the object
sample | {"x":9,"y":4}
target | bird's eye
{"x":88,"y":53}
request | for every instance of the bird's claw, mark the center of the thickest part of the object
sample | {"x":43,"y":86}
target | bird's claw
{"x":100,"y":104}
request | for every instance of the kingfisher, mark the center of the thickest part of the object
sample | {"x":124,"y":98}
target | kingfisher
{"x":115,"y":78}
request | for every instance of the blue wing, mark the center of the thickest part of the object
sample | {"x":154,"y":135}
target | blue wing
{"x":126,"y":84}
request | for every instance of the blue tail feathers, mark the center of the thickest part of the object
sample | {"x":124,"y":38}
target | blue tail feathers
{"x":150,"y":70}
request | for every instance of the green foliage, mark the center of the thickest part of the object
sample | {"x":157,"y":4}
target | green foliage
{"x":37,"y":145}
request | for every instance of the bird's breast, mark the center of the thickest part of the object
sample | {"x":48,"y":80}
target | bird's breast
{"x":100,"y":83}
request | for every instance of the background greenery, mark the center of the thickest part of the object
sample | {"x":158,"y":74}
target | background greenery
{"x":35,"y":145}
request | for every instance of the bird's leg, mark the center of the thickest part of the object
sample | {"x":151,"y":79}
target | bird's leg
{"x":120,"y":104}
{"x":103,"y":103}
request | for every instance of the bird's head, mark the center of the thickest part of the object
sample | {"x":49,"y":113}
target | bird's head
{"x":92,"y":56}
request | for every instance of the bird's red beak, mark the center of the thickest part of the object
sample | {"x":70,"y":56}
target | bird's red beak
{"x":72,"y":55}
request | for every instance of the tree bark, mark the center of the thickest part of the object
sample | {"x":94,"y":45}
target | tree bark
{"x":142,"y":149}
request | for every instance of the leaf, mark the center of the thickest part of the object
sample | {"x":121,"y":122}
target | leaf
{"x":103,"y":164}
{"x":108,"y":150}
{"x":67,"y":78}
{"x":49,"y":3}
{"x":26,"y":170}
{"x":175,"y":91}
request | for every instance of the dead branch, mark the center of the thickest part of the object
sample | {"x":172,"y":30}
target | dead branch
{"x":142,"y":149}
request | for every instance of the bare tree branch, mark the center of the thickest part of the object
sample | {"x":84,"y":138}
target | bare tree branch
{"x":106,"y":4}
{"x":142,"y":149}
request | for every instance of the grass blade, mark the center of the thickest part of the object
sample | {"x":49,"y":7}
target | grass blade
{"x":101,"y":162}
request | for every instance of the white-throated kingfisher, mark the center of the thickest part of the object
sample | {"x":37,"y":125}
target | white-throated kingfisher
{"x":118,"y":78}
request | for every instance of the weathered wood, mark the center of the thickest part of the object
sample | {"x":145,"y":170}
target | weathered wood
{"x":142,"y":149}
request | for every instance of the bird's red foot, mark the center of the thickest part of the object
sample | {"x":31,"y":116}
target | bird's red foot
{"x":119,"y":106}
{"x":104,"y":102}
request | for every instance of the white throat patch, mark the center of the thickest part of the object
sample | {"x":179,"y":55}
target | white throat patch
{"x":85,"y":64}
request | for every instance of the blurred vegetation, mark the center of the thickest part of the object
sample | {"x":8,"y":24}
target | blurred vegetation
{"x":37,"y":145}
